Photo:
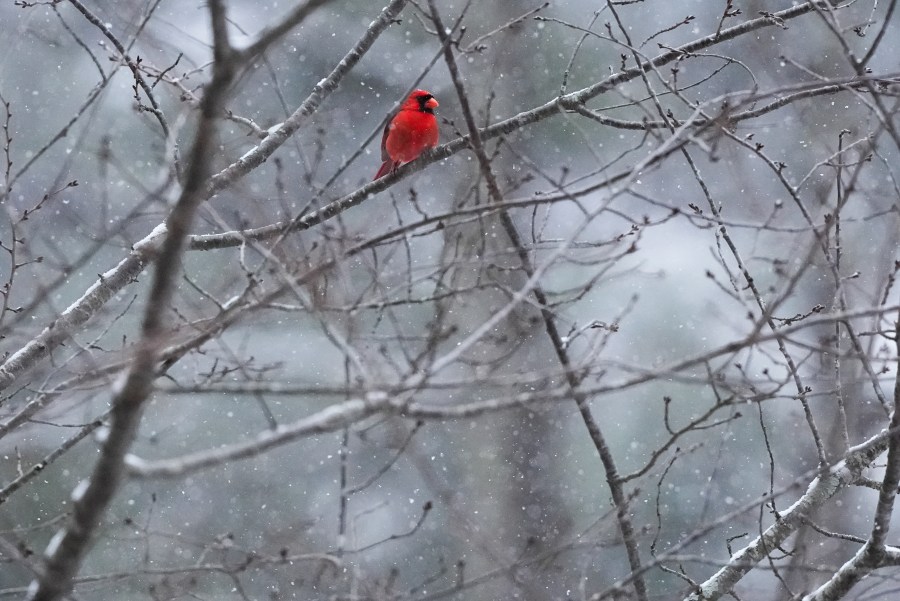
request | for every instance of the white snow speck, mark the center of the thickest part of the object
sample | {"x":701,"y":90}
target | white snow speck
{"x":79,"y":490}
{"x":53,"y":545}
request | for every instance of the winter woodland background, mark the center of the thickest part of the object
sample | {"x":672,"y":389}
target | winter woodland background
{"x":629,"y":333}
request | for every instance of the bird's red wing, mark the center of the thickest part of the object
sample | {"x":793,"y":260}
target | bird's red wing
{"x":386,"y":167}
{"x":387,"y":128}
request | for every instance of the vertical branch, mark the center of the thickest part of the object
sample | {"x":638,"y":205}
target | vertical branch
{"x":572,"y":379}
{"x":839,"y":300}
{"x":91,"y":497}
{"x":7,"y":146}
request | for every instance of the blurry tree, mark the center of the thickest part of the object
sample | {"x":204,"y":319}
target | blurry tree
{"x":630,"y":332}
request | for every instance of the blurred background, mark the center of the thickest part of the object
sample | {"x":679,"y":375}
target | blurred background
{"x":643,"y":270}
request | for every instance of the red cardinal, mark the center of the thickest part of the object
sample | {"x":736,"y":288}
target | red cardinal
{"x":413,"y":129}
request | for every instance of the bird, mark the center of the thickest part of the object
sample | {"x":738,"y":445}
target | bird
{"x":410,"y":131}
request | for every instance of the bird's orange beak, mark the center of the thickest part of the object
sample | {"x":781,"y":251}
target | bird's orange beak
{"x":431,"y":103}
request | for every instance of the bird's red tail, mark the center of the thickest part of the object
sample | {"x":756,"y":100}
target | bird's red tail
{"x":386,"y":167}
